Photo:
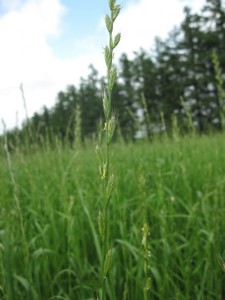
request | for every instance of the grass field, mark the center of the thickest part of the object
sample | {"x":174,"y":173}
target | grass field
{"x":49,"y":240}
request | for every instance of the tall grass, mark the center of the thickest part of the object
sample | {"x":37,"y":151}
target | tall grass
{"x":173,"y":189}
{"x":178,"y":186}
{"x":103,"y":151}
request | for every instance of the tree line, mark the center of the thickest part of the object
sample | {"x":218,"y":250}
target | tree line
{"x":181,"y":78}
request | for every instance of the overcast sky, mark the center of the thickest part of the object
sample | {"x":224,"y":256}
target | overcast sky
{"x":48,"y":44}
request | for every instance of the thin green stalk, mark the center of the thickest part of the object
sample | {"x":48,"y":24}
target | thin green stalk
{"x":29,"y":133}
{"x":220,"y":89}
{"x":147,"y":254}
{"x":77,"y":131}
{"x":103,"y":151}
{"x":163,"y":124}
{"x":188,"y":115}
{"x":17,"y":204}
{"x":146,"y":116}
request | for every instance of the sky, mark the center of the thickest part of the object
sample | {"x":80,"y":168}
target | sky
{"x":46,"y":45}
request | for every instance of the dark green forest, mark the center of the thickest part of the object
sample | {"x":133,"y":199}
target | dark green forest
{"x":181,"y":79}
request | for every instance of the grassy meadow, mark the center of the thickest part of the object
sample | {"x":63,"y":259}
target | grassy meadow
{"x":67,"y":232}
{"x":49,"y":239}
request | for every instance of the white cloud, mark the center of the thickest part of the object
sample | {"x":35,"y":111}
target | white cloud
{"x":140,"y":23}
{"x":8,"y":5}
{"x":25,"y":56}
{"x":143,"y":20}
